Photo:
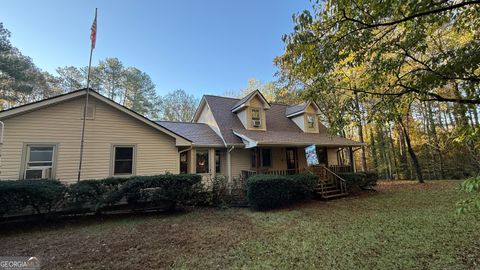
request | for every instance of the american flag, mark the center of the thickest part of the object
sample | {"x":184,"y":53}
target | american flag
{"x":93,"y":33}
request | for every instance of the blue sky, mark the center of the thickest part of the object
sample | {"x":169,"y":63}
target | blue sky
{"x":199,"y":46}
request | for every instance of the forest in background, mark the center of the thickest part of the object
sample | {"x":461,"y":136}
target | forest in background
{"x":403,"y":78}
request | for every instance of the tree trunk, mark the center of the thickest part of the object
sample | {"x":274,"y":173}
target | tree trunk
{"x":363,"y":155}
{"x":413,"y":156}
{"x":436,"y":143}
{"x":374,"y":151}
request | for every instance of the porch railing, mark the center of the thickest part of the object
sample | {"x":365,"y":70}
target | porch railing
{"x":248,"y":173}
{"x":340,"y":168}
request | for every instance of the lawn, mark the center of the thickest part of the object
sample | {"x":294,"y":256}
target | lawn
{"x":404,"y":225}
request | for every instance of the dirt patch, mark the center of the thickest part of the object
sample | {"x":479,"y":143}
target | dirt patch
{"x":132,"y":242}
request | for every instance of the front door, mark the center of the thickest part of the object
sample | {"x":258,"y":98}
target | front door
{"x":292,"y":165}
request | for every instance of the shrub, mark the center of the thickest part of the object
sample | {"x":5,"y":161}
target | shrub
{"x":303,"y":186}
{"x":214,"y":193}
{"x":92,"y":194}
{"x":360,"y":180}
{"x":272,"y":191}
{"x":43,"y":196}
{"x":151,"y":191}
{"x":472,"y":204}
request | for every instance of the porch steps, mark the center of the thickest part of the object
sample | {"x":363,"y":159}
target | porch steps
{"x":329,"y":191}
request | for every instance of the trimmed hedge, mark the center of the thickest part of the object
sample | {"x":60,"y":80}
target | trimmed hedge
{"x":46,"y":196}
{"x":41,"y":196}
{"x":273,"y":191}
{"x":151,"y":191}
{"x":360,"y":180}
{"x":93,"y":194}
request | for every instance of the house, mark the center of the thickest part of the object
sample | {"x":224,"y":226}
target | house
{"x":227,"y":136}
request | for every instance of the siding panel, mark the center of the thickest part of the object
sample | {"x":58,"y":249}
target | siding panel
{"x":61,"y":124}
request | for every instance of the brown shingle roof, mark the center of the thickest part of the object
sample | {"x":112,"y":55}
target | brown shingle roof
{"x":279,"y":127}
{"x":295,"y":138}
{"x":198,"y":133}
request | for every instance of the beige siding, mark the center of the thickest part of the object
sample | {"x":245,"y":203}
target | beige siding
{"x":206,"y":117}
{"x":245,"y":115}
{"x":61,"y":124}
{"x":302,"y":122}
{"x":240,"y":161}
{"x":332,"y":156}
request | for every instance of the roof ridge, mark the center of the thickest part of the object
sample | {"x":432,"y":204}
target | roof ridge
{"x":271,"y":103}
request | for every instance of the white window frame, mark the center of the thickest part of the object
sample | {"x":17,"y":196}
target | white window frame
{"x":26,"y":159}
{"x":313,"y":120}
{"x":134,"y":160}
{"x":252,"y":119}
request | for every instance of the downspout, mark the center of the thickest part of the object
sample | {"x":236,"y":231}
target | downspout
{"x":229,"y":164}
{"x":2,"y":125}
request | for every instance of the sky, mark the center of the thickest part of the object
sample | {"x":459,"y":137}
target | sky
{"x":202,"y":47}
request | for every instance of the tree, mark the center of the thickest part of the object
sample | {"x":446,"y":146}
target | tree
{"x":178,"y":106}
{"x":414,"y":48}
{"x":139,"y":93}
{"x":71,"y":78}
{"x":111,"y":71}
{"x":19,"y":76}
{"x":269,"y":90}
{"x":128,"y":86}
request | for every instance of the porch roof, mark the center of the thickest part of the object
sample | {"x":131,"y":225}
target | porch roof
{"x":288,"y":138}
{"x":200,"y":134}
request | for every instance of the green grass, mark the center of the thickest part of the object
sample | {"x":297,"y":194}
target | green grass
{"x":402,"y":226}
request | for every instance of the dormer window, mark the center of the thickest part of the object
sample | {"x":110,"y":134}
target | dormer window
{"x":256,"y":122}
{"x":310,"y":121}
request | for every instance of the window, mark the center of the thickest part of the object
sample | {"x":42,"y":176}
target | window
{"x":90,"y":111}
{"x":217,"y":161}
{"x":123,"y":160}
{"x":256,"y":118}
{"x":39,"y":162}
{"x":310,"y":121}
{"x":266,"y":157}
{"x":202,"y":161}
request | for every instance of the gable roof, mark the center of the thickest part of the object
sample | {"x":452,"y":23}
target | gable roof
{"x":241,"y":103}
{"x":280,"y":129}
{"x":299,"y":108}
{"x":180,"y":140}
{"x":199,"y":133}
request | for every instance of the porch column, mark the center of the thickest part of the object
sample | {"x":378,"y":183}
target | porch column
{"x":352,"y":162}
{"x":192,"y":161}
{"x":229,"y":165}
{"x":211,"y":161}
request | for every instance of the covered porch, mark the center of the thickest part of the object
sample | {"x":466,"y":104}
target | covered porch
{"x":288,"y":160}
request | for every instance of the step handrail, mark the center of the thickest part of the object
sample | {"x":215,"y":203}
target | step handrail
{"x":343,"y":185}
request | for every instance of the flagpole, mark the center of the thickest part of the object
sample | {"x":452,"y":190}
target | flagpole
{"x":82,"y":141}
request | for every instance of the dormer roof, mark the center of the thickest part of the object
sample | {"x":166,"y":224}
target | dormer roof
{"x":300,"y":108}
{"x":242,"y":103}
